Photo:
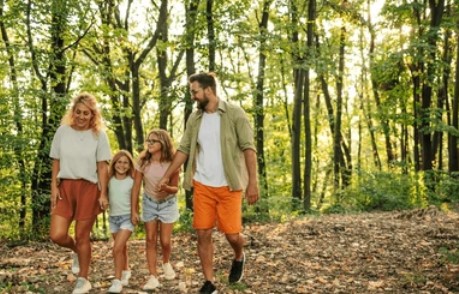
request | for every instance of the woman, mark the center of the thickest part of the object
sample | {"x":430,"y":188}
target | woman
{"x":80,"y":151}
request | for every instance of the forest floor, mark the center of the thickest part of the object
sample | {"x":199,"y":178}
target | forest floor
{"x":390,"y":252}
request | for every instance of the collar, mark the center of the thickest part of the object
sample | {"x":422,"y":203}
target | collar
{"x":221,"y":108}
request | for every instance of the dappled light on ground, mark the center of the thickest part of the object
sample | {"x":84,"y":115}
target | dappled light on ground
{"x":397,"y":252}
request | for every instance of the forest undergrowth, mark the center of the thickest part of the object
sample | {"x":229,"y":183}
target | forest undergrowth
{"x":413,"y":251}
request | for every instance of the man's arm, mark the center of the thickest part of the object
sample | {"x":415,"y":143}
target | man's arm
{"x":251,"y":193}
{"x":179,"y":159}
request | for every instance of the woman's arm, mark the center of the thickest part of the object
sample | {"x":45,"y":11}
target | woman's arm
{"x":56,"y":165}
{"x":102,"y":172}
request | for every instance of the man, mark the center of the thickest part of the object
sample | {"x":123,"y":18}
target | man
{"x":218,"y":139}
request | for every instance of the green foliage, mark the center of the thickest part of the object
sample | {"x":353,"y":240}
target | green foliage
{"x":449,"y":255}
{"x":381,"y":191}
{"x":185,"y":222}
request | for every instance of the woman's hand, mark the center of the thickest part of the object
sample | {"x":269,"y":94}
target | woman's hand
{"x":103,"y":202}
{"x":55,"y":196}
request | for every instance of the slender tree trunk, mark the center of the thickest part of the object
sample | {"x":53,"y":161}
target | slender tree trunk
{"x":442,"y":98}
{"x":337,"y":126}
{"x":383,"y":121}
{"x":17,"y":118}
{"x":161,"y":60}
{"x":57,"y":75}
{"x":426,"y":98}
{"x":259,"y":99}
{"x":106,"y":10}
{"x":298,"y":80}
{"x":191,"y":15}
{"x":307,"y":107}
{"x":452,"y":139}
{"x":211,"y":34}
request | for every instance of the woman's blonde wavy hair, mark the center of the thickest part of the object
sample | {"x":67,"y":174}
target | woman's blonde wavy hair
{"x":96,"y":123}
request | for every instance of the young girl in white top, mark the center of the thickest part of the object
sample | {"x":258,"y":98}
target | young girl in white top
{"x":160,"y":208}
{"x":121,"y":173}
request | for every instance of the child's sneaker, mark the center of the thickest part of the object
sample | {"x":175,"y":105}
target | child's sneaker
{"x":169,"y":272}
{"x":116,"y":286}
{"x":82,"y":286}
{"x":125,"y":276}
{"x":75,"y":264}
{"x":151,"y":284}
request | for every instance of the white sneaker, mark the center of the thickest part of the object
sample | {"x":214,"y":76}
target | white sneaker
{"x":82,"y":286}
{"x":75,"y":264}
{"x":125,"y":276}
{"x":116,"y":286}
{"x":169,"y":272}
{"x":151,"y":284}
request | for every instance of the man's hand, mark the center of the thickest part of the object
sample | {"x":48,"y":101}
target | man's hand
{"x":251,"y":193}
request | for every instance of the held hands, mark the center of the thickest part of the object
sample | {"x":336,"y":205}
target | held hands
{"x":162,"y":185}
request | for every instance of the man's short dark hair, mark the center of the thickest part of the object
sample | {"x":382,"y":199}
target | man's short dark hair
{"x":205,"y":80}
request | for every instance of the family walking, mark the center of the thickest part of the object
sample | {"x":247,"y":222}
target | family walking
{"x":217,"y":147}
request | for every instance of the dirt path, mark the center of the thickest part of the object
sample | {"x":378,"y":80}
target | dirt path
{"x":406,"y":252}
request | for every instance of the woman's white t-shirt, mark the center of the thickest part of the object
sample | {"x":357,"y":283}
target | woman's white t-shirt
{"x":78,"y":152}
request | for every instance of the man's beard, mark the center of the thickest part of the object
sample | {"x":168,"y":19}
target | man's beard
{"x":202,"y":104}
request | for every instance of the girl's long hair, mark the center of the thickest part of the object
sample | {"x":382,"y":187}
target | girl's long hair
{"x":96,"y":123}
{"x":116,"y":157}
{"x":167,"y":148}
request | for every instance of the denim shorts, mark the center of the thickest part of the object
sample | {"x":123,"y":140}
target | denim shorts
{"x":167,"y":212}
{"x":120,"y":222}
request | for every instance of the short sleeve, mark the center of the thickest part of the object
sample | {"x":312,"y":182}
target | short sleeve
{"x":55,"y":151}
{"x":103,"y":148}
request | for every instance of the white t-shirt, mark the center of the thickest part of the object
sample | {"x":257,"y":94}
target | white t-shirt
{"x":78,"y":152}
{"x":119,"y":195}
{"x":209,"y":162}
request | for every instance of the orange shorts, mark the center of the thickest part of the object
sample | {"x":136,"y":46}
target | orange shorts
{"x":78,"y":201}
{"x":217,"y":206}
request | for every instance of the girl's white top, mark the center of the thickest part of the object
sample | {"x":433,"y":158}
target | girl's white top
{"x":119,"y":195}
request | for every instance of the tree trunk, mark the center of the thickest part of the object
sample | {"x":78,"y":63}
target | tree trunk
{"x":211,"y":34}
{"x":298,"y":79}
{"x":307,"y":107}
{"x":259,"y":98}
{"x":41,"y":177}
{"x":17,"y":118}
{"x":426,"y":98}
{"x":383,"y":120}
{"x":337,"y":127}
{"x":452,"y":139}
{"x":191,"y":15}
